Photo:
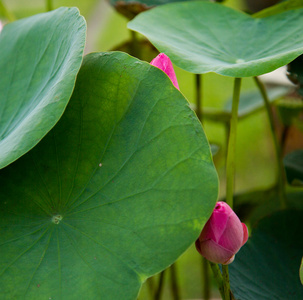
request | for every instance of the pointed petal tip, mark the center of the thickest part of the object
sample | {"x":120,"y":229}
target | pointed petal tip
{"x":163,"y":62}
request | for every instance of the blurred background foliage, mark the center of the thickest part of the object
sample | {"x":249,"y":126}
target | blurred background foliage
{"x":255,"y":166}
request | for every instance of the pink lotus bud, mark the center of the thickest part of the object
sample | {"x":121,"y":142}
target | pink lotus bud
{"x":1,"y":26}
{"x":222,"y":236}
{"x":163,"y":62}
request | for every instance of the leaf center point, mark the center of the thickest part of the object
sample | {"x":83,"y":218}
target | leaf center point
{"x":56,"y":219}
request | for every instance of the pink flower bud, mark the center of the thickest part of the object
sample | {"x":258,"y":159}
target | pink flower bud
{"x":222,"y":236}
{"x":163,"y":62}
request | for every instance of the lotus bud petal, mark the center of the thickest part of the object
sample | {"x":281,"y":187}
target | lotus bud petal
{"x":222,"y":236}
{"x":163,"y":62}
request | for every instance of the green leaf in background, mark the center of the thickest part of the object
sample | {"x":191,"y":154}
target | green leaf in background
{"x":252,"y":101}
{"x":114,"y":193}
{"x":257,"y":205}
{"x":39,"y":60}
{"x":202,"y":37}
{"x":266,"y":267}
{"x":293,"y":163}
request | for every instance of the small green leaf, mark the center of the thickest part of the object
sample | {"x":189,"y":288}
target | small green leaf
{"x":295,"y":72}
{"x":301,"y":271}
{"x":289,"y":110}
{"x":214,"y":149}
{"x":293,"y":163}
{"x":39,"y":60}
{"x":202,"y":37}
{"x":266,"y":267}
{"x":113,"y":194}
{"x":279,"y":8}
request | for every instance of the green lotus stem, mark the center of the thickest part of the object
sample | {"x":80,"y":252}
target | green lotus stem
{"x":284,"y":136}
{"x":227,"y":133}
{"x":231,"y":149}
{"x":10,"y":17}
{"x":174,"y":282}
{"x":49,"y":5}
{"x":226,"y":282}
{"x":199,"y":96}
{"x":206,"y":281}
{"x":281,"y":172}
{"x":159,"y":290}
{"x":218,"y":277}
{"x":134,"y":45}
{"x":151,"y":286}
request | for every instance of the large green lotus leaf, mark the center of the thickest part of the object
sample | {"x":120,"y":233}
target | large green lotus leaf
{"x":114,"y":193}
{"x":203,"y":37}
{"x":39,"y":59}
{"x":267,"y":266}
